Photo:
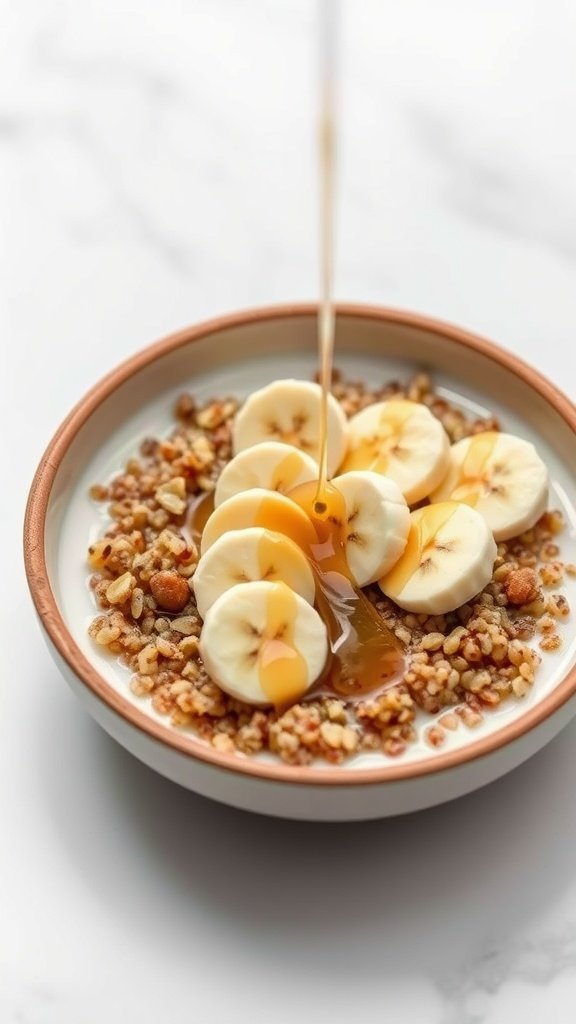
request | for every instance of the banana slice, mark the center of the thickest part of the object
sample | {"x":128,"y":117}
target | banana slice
{"x":243,"y":556}
{"x":258,"y":507}
{"x":263,"y":644}
{"x":289,"y":411}
{"x":448,"y":559}
{"x":404,"y":441}
{"x":502,"y":477}
{"x":376,"y":524}
{"x":271,"y":464}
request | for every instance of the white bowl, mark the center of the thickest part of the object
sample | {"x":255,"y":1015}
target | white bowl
{"x":234,"y":355}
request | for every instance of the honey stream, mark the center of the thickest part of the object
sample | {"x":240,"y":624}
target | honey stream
{"x":365,"y":655}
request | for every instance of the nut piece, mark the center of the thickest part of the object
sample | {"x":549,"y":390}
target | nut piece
{"x":521,"y":586}
{"x":119,"y":590}
{"x":172,"y":496}
{"x":169,"y":590}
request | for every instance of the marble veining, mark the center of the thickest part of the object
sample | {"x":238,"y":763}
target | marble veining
{"x":476,"y":992}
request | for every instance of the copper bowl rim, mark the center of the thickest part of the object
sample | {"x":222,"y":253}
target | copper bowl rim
{"x":196,"y":749}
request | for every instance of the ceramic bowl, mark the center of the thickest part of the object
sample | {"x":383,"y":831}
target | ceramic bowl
{"x":234,"y":355}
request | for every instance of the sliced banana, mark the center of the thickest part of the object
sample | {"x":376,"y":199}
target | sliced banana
{"x":271,"y":464}
{"x":502,"y":477}
{"x":448,"y":559}
{"x":376,"y":525}
{"x":243,"y":556}
{"x":258,"y":507}
{"x":402,"y":440}
{"x":289,"y":411}
{"x":263,"y":644}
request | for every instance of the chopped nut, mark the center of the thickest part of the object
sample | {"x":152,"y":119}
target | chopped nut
{"x":449,"y":721}
{"x":520,"y":686}
{"x":120,"y":590}
{"x":552,"y":642}
{"x":173,"y":543}
{"x":180,"y":686}
{"x":186,"y":624}
{"x":147,"y":660}
{"x":223,"y":742}
{"x":558,"y":606}
{"x":137,"y":603}
{"x":99,"y":553}
{"x":167,"y":649}
{"x":98,"y":492}
{"x":552,"y":574}
{"x":452,"y":642}
{"x":107,"y":635}
{"x":521,"y":586}
{"x":336,"y":710}
{"x":141,"y":685}
{"x":214,"y":414}
{"x":435,"y":736}
{"x":332,"y":734}
{"x":189,"y":646}
{"x":350,"y":739}
{"x":172,"y":496}
{"x":185,"y":407}
{"x":206,"y":483}
{"x":469,"y":716}
{"x":432,"y":642}
{"x":169,"y":590}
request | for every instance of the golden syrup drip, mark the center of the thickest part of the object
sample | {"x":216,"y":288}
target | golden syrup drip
{"x":273,"y":512}
{"x":374,"y":453}
{"x":425,"y":526}
{"x":365,"y":654}
{"x":328,"y":35}
{"x":326,"y":316}
{"x":471,"y":480}
{"x":284,"y":518}
{"x":282,"y":669}
{"x":286,"y":473}
{"x":275,"y":562}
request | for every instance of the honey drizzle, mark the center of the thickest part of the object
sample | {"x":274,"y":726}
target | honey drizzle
{"x":425,"y":526}
{"x":365,"y":654}
{"x":471,"y":480}
{"x":282,"y":669}
{"x":374,"y":453}
{"x":329,"y":15}
{"x":286,"y":473}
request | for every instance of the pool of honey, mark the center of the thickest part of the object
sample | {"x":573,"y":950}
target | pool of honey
{"x":365,"y":655}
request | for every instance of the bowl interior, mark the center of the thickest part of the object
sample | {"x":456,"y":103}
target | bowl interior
{"x":239,"y":357}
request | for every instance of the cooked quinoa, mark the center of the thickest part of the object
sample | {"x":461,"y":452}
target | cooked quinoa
{"x":458,"y":666}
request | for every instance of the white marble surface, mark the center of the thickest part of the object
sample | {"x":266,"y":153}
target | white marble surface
{"x":156,"y":167}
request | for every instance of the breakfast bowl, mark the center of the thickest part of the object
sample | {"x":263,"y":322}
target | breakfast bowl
{"x":234,"y":356}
